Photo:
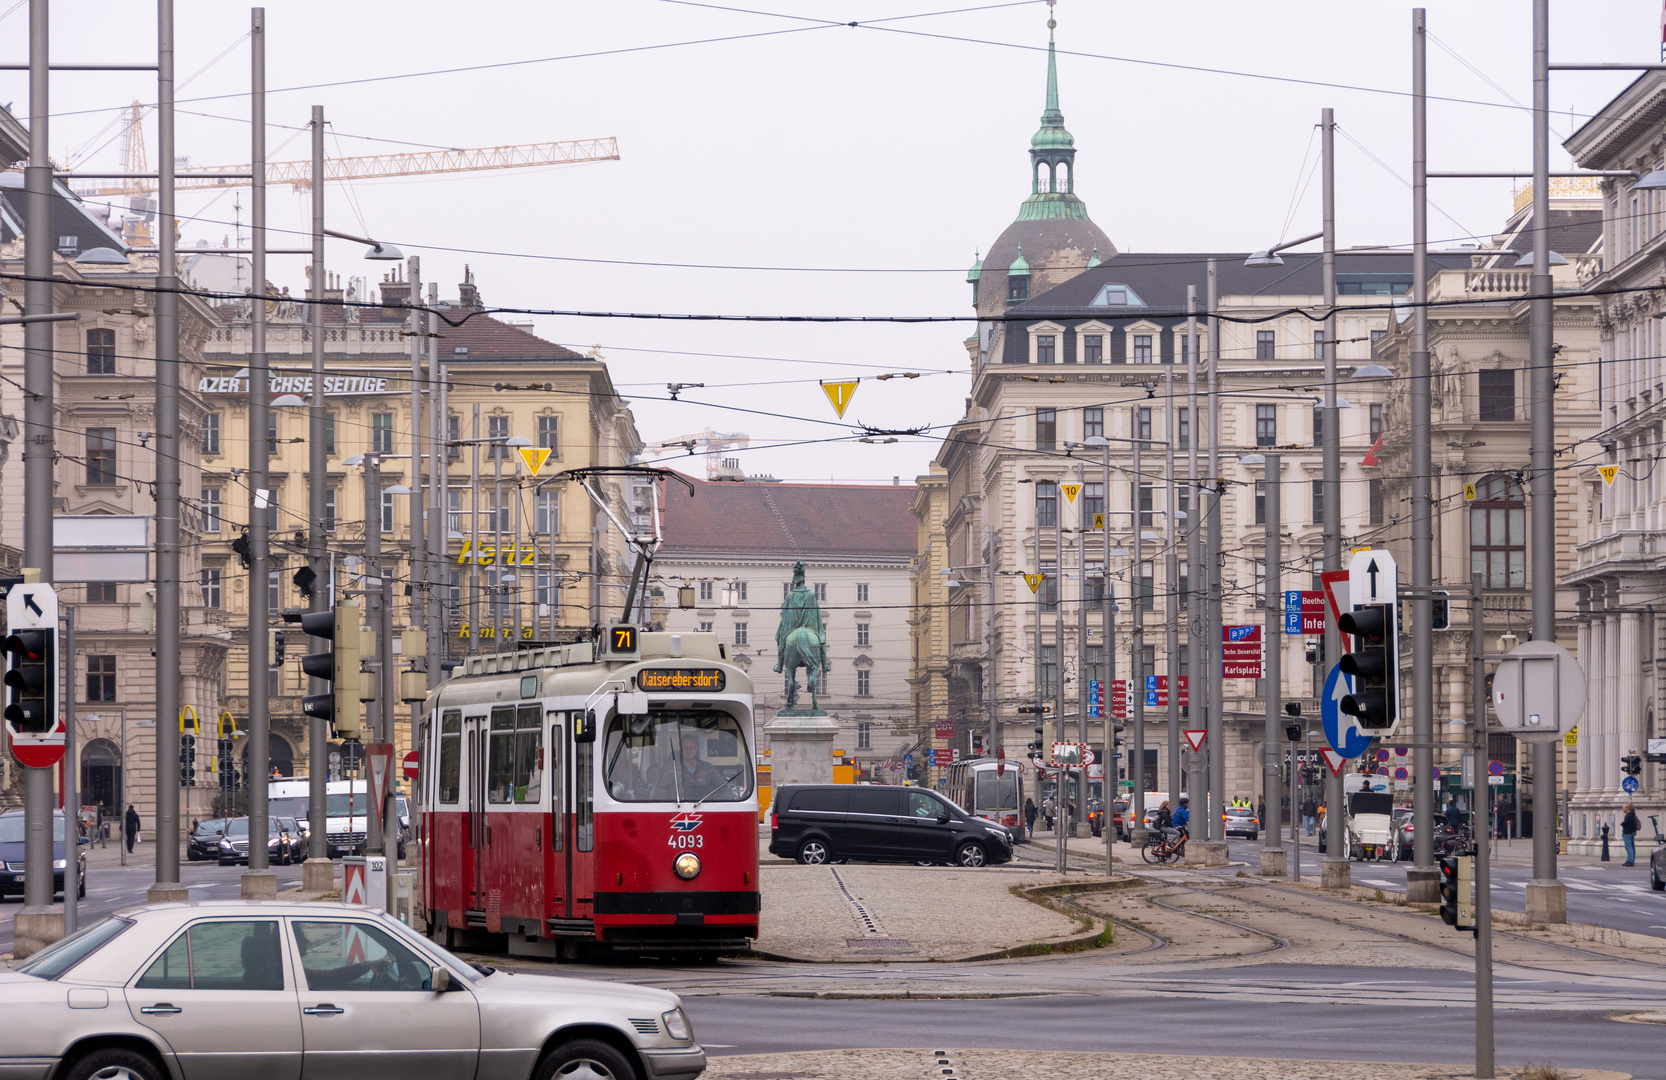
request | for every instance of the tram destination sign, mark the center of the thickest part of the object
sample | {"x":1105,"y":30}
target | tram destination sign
{"x":704,"y":680}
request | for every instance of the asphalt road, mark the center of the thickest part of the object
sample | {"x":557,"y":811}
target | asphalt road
{"x":1607,"y":895}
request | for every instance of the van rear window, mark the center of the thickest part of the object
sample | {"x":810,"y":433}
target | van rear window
{"x":831,"y":800}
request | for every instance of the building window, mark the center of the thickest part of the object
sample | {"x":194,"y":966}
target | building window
{"x":1093,"y":349}
{"x":101,"y":352}
{"x":274,"y":682}
{"x":547,"y":513}
{"x":821,"y":592}
{"x":862,"y":633}
{"x":1018,"y":287}
{"x":101,"y":678}
{"x":1497,"y":394}
{"x":329,"y":433}
{"x":1048,"y":675}
{"x":272,"y":512}
{"x":1145,"y":495}
{"x":211,"y":519}
{"x":212,"y":597}
{"x":549,"y":434}
{"x":1266,"y":425}
{"x":1261,"y":502}
{"x":101,"y":592}
{"x":1374,"y":489}
{"x":274,"y":590}
{"x":1318,"y":502}
{"x":101,"y":455}
{"x":861,"y":592}
{"x":706,"y":590}
{"x":864,"y":731}
{"x":1093,"y":501}
{"x":1148,"y":585}
{"x":211,"y":433}
{"x":1045,"y":348}
{"x":1183,"y":434}
{"x":1093,"y":423}
{"x":1046,"y":502}
{"x":1142,"y":425}
{"x":1376,"y":423}
{"x":705,"y":627}
{"x":740,"y":633}
{"x":453,"y":436}
{"x":1046,"y":429}
{"x":1318,"y":425}
{"x":1142,"y":348}
{"x":864,"y":683}
{"x":387,"y":512}
{"x":1497,"y":533}
{"x":1376,"y":336}
{"x":1318,"y":344}
{"x":1049,"y":590}
{"x":272,"y":431}
{"x":330,"y":510}
{"x":739,"y":590}
{"x":1264,"y":344}
{"x":381,"y":433}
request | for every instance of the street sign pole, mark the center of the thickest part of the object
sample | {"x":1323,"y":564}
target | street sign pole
{"x":1481,"y":828}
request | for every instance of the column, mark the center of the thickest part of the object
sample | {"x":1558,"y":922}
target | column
{"x":1629,"y":720}
{"x":1588,"y":658}
{"x":1607,"y":761}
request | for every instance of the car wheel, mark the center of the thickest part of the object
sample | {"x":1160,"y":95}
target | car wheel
{"x":223,"y":862}
{"x":585,"y":1059}
{"x":814,"y":853}
{"x":1659,"y":886}
{"x":113,"y":1063}
{"x":971,"y":853}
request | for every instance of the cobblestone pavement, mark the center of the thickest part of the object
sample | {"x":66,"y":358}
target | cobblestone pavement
{"x":951,"y":1064}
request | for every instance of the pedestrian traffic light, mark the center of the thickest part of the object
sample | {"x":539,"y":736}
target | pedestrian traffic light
{"x":1457,"y":891}
{"x":1631,"y":764}
{"x":187,"y":761}
{"x":1040,"y":737}
{"x":32,"y":679}
{"x":338,"y":665}
{"x":1372,"y":664}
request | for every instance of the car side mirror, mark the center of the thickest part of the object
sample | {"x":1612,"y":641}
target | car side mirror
{"x":943,"y":818}
{"x":440,"y":980}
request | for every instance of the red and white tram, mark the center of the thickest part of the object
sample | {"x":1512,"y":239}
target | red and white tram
{"x":569,"y":798}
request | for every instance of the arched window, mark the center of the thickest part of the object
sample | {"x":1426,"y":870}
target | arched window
{"x":280,"y":756}
{"x":1498,"y":533}
{"x":101,"y":776}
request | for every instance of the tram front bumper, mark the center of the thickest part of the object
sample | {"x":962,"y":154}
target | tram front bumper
{"x":690,"y":1061}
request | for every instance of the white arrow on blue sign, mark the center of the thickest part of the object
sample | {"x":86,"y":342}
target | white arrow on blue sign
{"x":1341,"y":730}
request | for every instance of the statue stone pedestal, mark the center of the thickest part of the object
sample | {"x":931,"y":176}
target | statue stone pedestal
{"x":800,"y":747}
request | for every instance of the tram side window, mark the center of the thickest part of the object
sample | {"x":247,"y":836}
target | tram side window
{"x":451,"y":755}
{"x":554,"y":773}
{"x":529,"y":755}
{"x":500,"y":774}
{"x":682,"y":756}
{"x":584,"y":793}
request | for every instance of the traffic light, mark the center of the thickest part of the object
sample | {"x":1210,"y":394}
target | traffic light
{"x":1631,"y":764}
{"x":187,"y":761}
{"x":338,"y":665}
{"x":274,"y":647}
{"x":1040,"y":736}
{"x":31,"y":678}
{"x":1373,"y":665}
{"x":1457,"y":887}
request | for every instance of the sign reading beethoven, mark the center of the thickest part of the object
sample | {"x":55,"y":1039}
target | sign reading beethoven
{"x":283,"y":383}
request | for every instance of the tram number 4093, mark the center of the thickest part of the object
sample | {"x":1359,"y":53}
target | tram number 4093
{"x":685,"y":840}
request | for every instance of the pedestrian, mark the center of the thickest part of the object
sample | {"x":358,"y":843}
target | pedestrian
{"x":1261,"y":811}
{"x":1628,"y":833}
{"x":1029,"y":815}
{"x":130,"y":826}
{"x":1310,"y":810}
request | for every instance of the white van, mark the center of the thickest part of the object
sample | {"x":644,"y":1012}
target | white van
{"x":346,"y":803}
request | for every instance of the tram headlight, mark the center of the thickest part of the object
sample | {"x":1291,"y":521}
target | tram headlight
{"x":687,"y":866}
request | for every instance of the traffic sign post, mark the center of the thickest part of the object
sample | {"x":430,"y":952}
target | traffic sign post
{"x":32,"y":680}
{"x":1538,"y":691}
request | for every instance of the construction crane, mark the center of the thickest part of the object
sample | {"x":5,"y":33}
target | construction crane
{"x":710,"y":443}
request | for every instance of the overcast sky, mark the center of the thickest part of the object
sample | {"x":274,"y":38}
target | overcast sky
{"x":887,"y":153}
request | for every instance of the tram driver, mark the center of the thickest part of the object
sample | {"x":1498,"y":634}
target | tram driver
{"x":691,"y":776}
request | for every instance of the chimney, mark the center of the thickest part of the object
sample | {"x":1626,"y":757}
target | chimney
{"x":396,"y":294}
{"x":467,"y":295}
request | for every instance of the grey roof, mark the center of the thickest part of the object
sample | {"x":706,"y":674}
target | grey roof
{"x":71,"y":219}
{"x":1572,"y":232}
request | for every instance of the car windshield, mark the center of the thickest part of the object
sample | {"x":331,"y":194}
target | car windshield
{"x":404,"y":806}
{"x":345,"y":804}
{"x":11,"y":828}
{"x":677,"y":756}
{"x":64,"y":954}
{"x":294,"y":806}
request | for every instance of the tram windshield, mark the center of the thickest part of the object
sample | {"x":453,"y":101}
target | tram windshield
{"x":996,"y":792}
{"x":677,"y":756}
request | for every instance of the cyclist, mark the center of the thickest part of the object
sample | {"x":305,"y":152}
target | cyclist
{"x":1181,"y":823}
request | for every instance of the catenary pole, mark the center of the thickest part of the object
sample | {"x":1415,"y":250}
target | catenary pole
{"x":1136,"y":656}
{"x":258,"y":881}
{"x":1171,"y":575}
{"x":1481,"y":827}
{"x":43,"y":922}
{"x":1423,"y":881}
{"x":1214,"y":746}
{"x":1547,"y":898}
{"x":1114,"y":758}
{"x":1196,"y":652}
{"x":72,"y":778}
{"x":1066,"y":810}
{"x":437,"y":485}
{"x":417,"y":610}
{"x":317,"y":870}
{"x":378,"y":717}
{"x":1334,"y":869}
{"x":1273,"y":742}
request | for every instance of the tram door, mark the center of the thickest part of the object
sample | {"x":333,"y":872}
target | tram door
{"x":474,"y":839}
{"x":577,"y":801}
{"x":559,"y":893}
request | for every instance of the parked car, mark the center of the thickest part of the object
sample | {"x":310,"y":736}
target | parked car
{"x":1400,"y":841}
{"x":1657,"y":868}
{"x":12,"y":857}
{"x":204,"y":841}
{"x":234,"y":845}
{"x":818,"y":823}
{"x":1241,"y":821}
{"x":248,"y":988}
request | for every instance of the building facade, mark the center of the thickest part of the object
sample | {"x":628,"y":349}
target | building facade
{"x":735,"y":544}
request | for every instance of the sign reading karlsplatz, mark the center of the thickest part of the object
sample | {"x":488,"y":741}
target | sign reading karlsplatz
{"x":283,"y":382}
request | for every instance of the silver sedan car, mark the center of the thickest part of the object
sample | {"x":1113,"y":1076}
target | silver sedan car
{"x":268,"y":990}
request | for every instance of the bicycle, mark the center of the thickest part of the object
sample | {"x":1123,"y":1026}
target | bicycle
{"x":1160,"y":848}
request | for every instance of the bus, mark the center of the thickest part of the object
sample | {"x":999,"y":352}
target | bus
{"x":991,"y":789}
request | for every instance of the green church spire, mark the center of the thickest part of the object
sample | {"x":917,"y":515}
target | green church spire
{"x":1052,"y":154}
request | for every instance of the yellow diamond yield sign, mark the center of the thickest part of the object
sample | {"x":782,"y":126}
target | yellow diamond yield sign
{"x":535,"y":456}
{"x":1608,"y":473}
{"x":1099,"y":521}
{"x":1034,"y":580}
{"x":839,"y":393}
{"x":1071,"y":491}
{"x":1469,"y":493}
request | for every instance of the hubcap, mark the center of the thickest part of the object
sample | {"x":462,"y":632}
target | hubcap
{"x":971,"y":856}
{"x":815,"y":853}
{"x":116,"y":1072}
{"x":585,"y":1069}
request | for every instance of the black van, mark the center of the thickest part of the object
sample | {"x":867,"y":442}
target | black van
{"x":819,"y":823}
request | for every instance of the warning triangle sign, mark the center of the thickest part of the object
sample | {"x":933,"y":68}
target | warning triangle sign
{"x":535,"y":456}
{"x":839,"y":393}
{"x":380,"y":758}
{"x":1195,"y":737}
{"x":1333,"y":760}
{"x":1608,"y":472}
{"x":1034,"y":580}
{"x":1071,"y":491}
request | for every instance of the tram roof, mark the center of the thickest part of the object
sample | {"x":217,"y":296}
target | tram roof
{"x":573,"y":670}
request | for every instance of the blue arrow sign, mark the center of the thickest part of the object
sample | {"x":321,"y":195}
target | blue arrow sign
{"x":1341,"y":730}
